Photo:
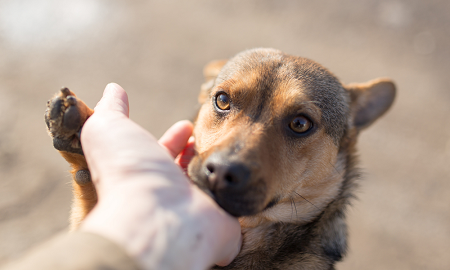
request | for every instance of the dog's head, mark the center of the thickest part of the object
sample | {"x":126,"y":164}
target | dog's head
{"x":270,"y":133}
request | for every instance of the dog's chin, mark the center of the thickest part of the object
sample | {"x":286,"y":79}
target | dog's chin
{"x":237,"y":204}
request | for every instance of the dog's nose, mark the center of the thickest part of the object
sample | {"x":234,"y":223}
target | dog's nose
{"x":226,"y":175}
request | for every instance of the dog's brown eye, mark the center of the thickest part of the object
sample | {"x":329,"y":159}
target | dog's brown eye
{"x":223,"y":102}
{"x":300,"y":124}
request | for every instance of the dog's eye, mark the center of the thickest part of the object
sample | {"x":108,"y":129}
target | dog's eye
{"x":223,"y":102}
{"x":300,"y":124}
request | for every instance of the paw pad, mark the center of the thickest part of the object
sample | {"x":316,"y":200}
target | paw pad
{"x":83,"y":177}
{"x":64,"y":117}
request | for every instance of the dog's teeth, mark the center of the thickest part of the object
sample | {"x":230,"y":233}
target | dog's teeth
{"x":65,"y":91}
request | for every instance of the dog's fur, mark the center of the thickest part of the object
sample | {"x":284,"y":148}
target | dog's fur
{"x":289,"y":189}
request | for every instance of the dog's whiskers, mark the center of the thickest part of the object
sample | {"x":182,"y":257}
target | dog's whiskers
{"x":306,"y":200}
{"x":334,"y":167}
{"x":292,"y":209}
{"x":293,"y":203}
{"x":311,"y":101}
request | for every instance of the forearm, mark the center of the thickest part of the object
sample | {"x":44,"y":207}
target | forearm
{"x":79,"y":250}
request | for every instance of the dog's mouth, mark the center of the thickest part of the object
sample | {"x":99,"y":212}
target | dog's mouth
{"x":240,"y":204}
{"x":272,"y":203}
{"x":237,"y":202}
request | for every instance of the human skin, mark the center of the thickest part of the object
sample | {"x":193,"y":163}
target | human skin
{"x":146,"y":203}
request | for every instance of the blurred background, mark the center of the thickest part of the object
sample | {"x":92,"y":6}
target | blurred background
{"x":156,"y":50}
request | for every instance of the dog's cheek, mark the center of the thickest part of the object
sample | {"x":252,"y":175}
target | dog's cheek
{"x":203,"y":133}
{"x":194,"y":171}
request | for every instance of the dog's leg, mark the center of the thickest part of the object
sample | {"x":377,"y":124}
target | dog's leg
{"x":65,"y":115}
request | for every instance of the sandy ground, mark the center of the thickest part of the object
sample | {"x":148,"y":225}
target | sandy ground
{"x":156,"y":51}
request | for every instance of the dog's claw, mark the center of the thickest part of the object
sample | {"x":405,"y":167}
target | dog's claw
{"x":65,"y":91}
{"x":71,"y":100}
{"x":79,"y":132}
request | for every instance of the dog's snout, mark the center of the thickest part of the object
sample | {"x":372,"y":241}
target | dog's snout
{"x":234,"y":183}
{"x":226,"y":175}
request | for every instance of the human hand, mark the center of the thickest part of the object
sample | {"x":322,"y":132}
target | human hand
{"x":145,"y":202}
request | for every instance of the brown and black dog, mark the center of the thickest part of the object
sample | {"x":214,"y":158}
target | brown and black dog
{"x":275,"y":146}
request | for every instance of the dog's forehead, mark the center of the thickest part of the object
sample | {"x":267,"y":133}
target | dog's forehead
{"x":274,"y":79}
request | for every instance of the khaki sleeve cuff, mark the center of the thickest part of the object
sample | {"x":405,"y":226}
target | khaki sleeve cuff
{"x":79,"y":250}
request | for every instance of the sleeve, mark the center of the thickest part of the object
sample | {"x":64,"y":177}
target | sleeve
{"x":79,"y":250}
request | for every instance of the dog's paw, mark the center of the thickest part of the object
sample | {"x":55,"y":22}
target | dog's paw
{"x":64,"y":116}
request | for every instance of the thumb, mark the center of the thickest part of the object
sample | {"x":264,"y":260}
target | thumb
{"x":114,"y":99}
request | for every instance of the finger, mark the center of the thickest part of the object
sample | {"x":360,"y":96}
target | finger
{"x":176,"y":137}
{"x":223,"y":233}
{"x":184,"y":158}
{"x":230,"y":254}
{"x":114,"y":99}
{"x":230,"y":239}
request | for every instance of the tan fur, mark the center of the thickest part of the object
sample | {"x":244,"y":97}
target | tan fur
{"x":84,"y":196}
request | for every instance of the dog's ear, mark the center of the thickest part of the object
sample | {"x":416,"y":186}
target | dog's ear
{"x":210,"y":72}
{"x":370,"y":100}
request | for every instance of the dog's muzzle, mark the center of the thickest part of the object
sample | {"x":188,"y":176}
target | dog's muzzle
{"x":225,"y":175}
{"x":233,"y":185}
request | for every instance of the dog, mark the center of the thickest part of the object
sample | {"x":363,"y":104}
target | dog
{"x":275,"y":146}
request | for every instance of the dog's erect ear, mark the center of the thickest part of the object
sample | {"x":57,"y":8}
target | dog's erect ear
{"x":210,"y":72}
{"x":370,"y":100}
{"x":212,"y":69}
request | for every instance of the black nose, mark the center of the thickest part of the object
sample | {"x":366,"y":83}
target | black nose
{"x":223,"y":174}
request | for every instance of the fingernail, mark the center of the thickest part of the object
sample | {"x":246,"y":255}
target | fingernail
{"x":111,"y":87}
